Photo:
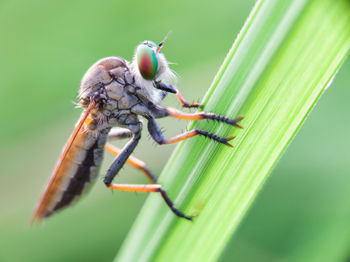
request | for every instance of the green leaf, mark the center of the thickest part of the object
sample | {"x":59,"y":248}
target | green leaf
{"x":285,"y":56}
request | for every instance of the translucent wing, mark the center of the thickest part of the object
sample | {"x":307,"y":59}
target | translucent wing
{"x":76,"y":168}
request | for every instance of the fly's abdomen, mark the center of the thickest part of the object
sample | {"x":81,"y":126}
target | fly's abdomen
{"x":75,"y":171}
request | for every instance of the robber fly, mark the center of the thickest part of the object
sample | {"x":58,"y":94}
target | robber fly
{"x":113,"y":94}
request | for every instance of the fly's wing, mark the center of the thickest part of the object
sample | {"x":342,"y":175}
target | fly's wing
{"x":75,"y":170}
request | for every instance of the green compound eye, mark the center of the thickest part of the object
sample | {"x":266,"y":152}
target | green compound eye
{"x":147,"y":60}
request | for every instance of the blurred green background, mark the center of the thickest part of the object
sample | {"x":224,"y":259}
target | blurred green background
{"x":45,"y":48}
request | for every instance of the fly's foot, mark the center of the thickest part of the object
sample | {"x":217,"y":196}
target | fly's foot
{"x":233,"y":122}
{"x":214,"y":137}
{"x":171,"y":205}
{"x":191,"y":105}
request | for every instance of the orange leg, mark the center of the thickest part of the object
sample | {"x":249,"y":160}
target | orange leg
{"x":173,"y":89}
{"x":195,"y":132}
{"x":180,"y":137}
{"x":133,"y":162}
{"x":142,"y":188}
{"x":149,"y":189}
{"x":182,"y":100}
{"x":135,"y":188}
{"x":201,"y":115}
{"x":156,"y":133}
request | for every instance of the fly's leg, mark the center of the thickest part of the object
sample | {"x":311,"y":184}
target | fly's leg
{"x":157,"y":135}
{"x":121,"y":159}
{"x":183,"y":101}
{"x":133,"y":162}
{"x":164,"y":87}
{"x":120,"y":133}
{"x":173,"y":89}
{"x":201,"y":115}
{"x":149,"y":189}
{"x":159,"y":112}
{"x":117,"y":133}
{"x":125,"y":156}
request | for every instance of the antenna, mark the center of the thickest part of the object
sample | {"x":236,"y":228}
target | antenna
{"x":162,"y":42}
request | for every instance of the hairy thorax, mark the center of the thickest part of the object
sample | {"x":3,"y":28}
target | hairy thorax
{"x":118,"y":91}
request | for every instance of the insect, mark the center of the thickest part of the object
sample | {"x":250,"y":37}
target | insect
{"x":114,"y":94}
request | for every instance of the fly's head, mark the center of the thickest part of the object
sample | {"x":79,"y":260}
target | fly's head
{"x":149,"y":64}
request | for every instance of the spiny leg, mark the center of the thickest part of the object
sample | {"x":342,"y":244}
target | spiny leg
{"x":125,"y":155}
{"x":201,"y":115}
{"x":133,"y":162}
{"x":157,"y":135}
{"x":159,"y":112}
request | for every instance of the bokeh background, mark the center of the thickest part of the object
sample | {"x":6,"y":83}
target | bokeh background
{"x":303,"y":211}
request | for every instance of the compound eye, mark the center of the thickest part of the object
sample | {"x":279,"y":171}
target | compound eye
{"x":146,"y":60}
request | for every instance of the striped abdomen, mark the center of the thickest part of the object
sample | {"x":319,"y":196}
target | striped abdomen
{"x":75,"y":171}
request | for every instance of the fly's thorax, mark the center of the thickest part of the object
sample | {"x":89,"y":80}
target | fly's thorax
{"x":112,"y":79}
{"x":103,"y":118}
{"x":121,"y":98}
{"x":100,"y":74}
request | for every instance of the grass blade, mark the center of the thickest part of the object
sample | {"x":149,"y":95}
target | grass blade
{"x":284,"y":57}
